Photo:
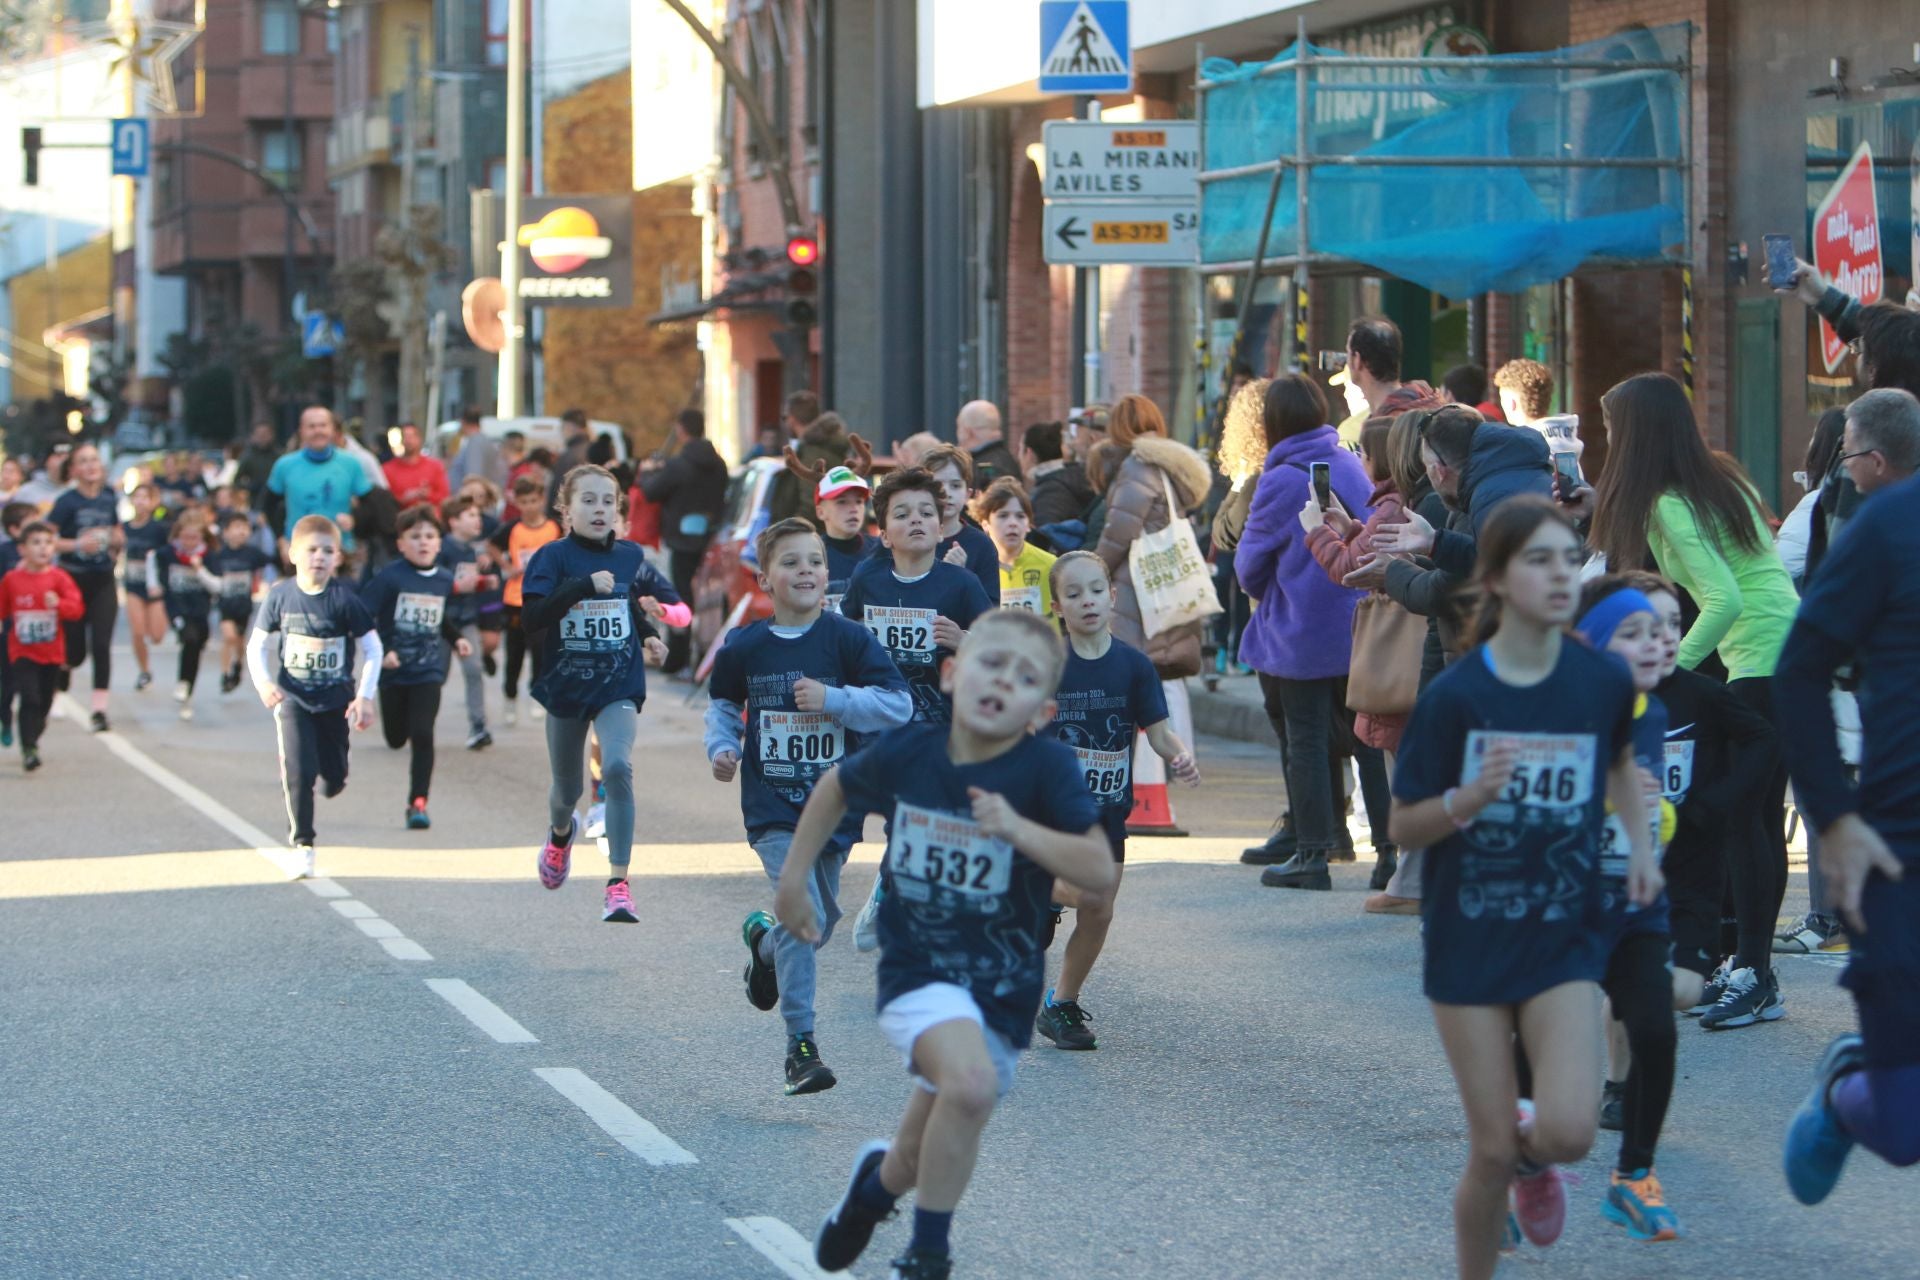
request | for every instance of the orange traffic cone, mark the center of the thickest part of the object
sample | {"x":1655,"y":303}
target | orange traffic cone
{"x":1152,"y":803}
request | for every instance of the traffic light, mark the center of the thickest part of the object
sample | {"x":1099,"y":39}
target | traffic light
{"x":30,"y":148}
{"x":803,"y":284}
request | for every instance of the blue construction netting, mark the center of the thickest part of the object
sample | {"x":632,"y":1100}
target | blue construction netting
{"x":1459,"y":231}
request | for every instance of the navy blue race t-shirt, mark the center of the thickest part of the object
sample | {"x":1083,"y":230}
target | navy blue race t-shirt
{"x":181,"y":585}
{"x":1510,"y":902}
{"x":786,"y":750}
{"x":591,"y":655}
{"x":843,"y":557}
{"x":463,"y":562}
{"x":900,"y":613}
{"x":74,"y":514}
{"x":409,"y":608}
{"x":142,"y":541}
{"x":983,"y":558}
{"x":236,"y":568}
{"x":318,"y":635}
{"x":1104,"y":703}
{"x":961,"y":906}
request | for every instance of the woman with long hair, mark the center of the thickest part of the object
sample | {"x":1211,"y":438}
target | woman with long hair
{"x":87,"y":520}
{"x":1665,"y":494}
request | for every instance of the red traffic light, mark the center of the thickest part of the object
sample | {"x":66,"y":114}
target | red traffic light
{"x":803,"y":251}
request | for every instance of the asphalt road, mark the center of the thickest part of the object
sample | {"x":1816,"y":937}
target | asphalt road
{"x":424,"y":1065}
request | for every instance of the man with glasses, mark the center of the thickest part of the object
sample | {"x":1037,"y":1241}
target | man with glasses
{"x":1881,"y":444}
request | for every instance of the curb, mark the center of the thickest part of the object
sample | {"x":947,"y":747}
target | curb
{"x":1231,"y":715}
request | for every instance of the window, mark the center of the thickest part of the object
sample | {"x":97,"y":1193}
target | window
{"x":279,"y":27}
{"x":280,"y":157}
{"x":497,"y":33}
{"x":333,"y":34}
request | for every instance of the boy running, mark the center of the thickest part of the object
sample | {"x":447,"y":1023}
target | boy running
{"x":458,"y":554}
{"x":237,"y":563}
{"x":1109,"y":693}
{"x":314,"y":696}
{"x":36,"y":598}
{"x":13,"y":518}
{"x":960,"y":543}
{"x":188,"y":589}
{"x":810,"y":682}
{"x":985,"y":814}
{"x":408,"y":601}
{"x":146,"y":605}
{"x":841,"y":508}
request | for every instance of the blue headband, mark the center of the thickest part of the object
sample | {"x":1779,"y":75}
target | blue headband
{"x":1605,"y":618}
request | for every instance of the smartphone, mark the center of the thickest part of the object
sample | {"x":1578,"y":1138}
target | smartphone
{"x":1781,"y":268}
{"x":1566,"y":475}
{"x":1323,"y":485}
{"x":1332,"y":361}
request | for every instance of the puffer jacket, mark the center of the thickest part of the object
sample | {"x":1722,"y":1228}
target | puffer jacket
{"x":1341,"y":556}
{"x":1137,"y":504}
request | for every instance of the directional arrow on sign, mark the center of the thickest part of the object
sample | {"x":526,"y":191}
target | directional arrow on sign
{"x":1071,"y":233}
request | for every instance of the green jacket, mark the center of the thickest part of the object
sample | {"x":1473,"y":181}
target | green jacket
{"x":1747,"y":601}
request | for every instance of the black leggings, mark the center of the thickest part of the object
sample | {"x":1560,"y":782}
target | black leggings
{"x":407,"y":713}
{"x":1756,"y":848}
{"x":35,"y":682}
{"x":193,"y":639}
{"x":1640,"y":986}
{"x":518,"y":652}
{"x":91,"y":634}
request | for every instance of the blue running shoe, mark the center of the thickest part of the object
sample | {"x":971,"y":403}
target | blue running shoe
{"x":1636,"y":1202}
{"x":1817,"y":1146}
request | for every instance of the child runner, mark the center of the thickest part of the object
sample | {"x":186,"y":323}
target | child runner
{"x":459,"y":556}
{"x":1505,"y":772}
{"x":986,"y":812}
{"x":519,"y":540}
{"x":1619,"y":619}
{"x":146,"y":603}
{"x":1007,"y":514}
{"x":237,"y":564}
{"x":491,"y":599}
{"x":409,"y":603}
{"x":88,"y":520}
{"x":314,"y":696}
{"x":1109,"y":693}
{"x":917,"y":606}
{"x":841,"y":507}
{"x":188,"y":589}
{"x":580,"y":598}
{"x":14,"y":516}
{"x":811,"y":683}
{"x":36,"y":597}
{"x":960,"y":543}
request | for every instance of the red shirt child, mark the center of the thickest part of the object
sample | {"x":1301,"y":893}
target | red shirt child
{"x":36,"y":598}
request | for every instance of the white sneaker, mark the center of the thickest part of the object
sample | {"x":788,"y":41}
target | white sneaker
{"x":181,"y":693}
{"x":596,"y":821}
{"x":866,"y":925}
{"x":511,"y":716}
{"x":536,"y":713}
{"x":186,"y":711}
{"x":303,"y":862}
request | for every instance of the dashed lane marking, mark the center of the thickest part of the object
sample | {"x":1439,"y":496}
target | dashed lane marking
{"x":616,"y":1118}
{"x":353,"y":909}
{"x":481,"y":1012}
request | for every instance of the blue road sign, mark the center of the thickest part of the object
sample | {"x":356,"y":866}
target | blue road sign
{"x":1085,"y":47}
{"x":130,"y":149}
{"x":320,"y":335}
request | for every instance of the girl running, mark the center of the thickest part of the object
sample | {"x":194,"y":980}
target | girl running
{"x":583,"y":596}
{"x":146,"y":602}
{"x":86,"y":520}
{"x":1504,"y":775}
{"x":188,"y":591}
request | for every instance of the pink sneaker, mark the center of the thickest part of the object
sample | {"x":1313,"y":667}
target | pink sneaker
{"x":557,"y":859}
{"x":619,"y":905}
{"x":1540,"y":1198}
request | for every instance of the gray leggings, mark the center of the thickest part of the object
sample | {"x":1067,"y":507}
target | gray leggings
{"x":474,"y":673}
{"x":567,"y":754}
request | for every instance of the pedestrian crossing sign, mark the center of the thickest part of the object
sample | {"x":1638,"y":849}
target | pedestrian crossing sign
{"x":1085,"y":47}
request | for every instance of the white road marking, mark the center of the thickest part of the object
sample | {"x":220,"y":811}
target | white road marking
{"x":481,"y":1012}
{"x":378,"y":928}
{"x":781,"y":1245}
{"x":615,"y":1117}
{"x":321,"y":887}
{"x":353,"y":909}
{"x":405,"y":949}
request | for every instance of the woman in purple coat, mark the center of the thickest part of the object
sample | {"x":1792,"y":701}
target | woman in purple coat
{"x":1300,"y":635}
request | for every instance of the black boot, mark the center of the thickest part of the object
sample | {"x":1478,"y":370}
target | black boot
{"x":1278,"y":848}
{"x":1386,"y":861}
{"x":1301,"y":871}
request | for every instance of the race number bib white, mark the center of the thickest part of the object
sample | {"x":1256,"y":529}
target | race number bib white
{"x":315,"y":658}
{"x":36,"y":626}
{"x":1027,"y":598}
{"x":905,"y":633}
{"x":933,"y":850}
{"x":418,"y":612}
{"x":1106,"y":772}
{"x":1677,"y":777}
{"x":1550,"y":771}
{"x":791,"y":740}
{"x":236,"y":584}
{"x":602,"y":625}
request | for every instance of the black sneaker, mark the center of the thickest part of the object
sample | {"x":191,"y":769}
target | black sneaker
{"x":1386,"y":861}
{"x":490,"y":665}
{"x":1750,"y":997}
{"x":922,"y":1264}
{"x":1715,"y":987}
{"x":99,"y":722}
{"x":843,"y":1237}
{"x":1278,"y":848}
{"x":805,"y":1072}
{"x":29,"y":759}
{"x":1613,"y":1106}
{"x":141,"y":681}
{"x":1301,"y":871}
{"x":763,"y":986}
{"x":1066,"y":1025}
{"x":479,"y":740}
{"x":330,"y":788}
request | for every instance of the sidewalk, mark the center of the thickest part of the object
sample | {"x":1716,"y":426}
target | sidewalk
{"x":1231,"y":710}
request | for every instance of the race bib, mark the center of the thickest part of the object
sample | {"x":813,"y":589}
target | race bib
{"x":790,"y":741}
{"x":135,"y":573}
{"x":933,"y":851}
{"x":601,"y":625}
{"x":1027,"y":598}
{"x":1107,"y":773}
{"x":36,"y":626}
{"x":418,"y":612}
{"x":1678,"y":775}
{"x":1551,"y":771}
{"x":905,"y":633}
{"x":314,"y":658}
{"x":465,"y":576}
{"x":236,"y":584}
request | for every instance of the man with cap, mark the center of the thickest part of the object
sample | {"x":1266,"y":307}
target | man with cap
{"x":840,"y":505}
